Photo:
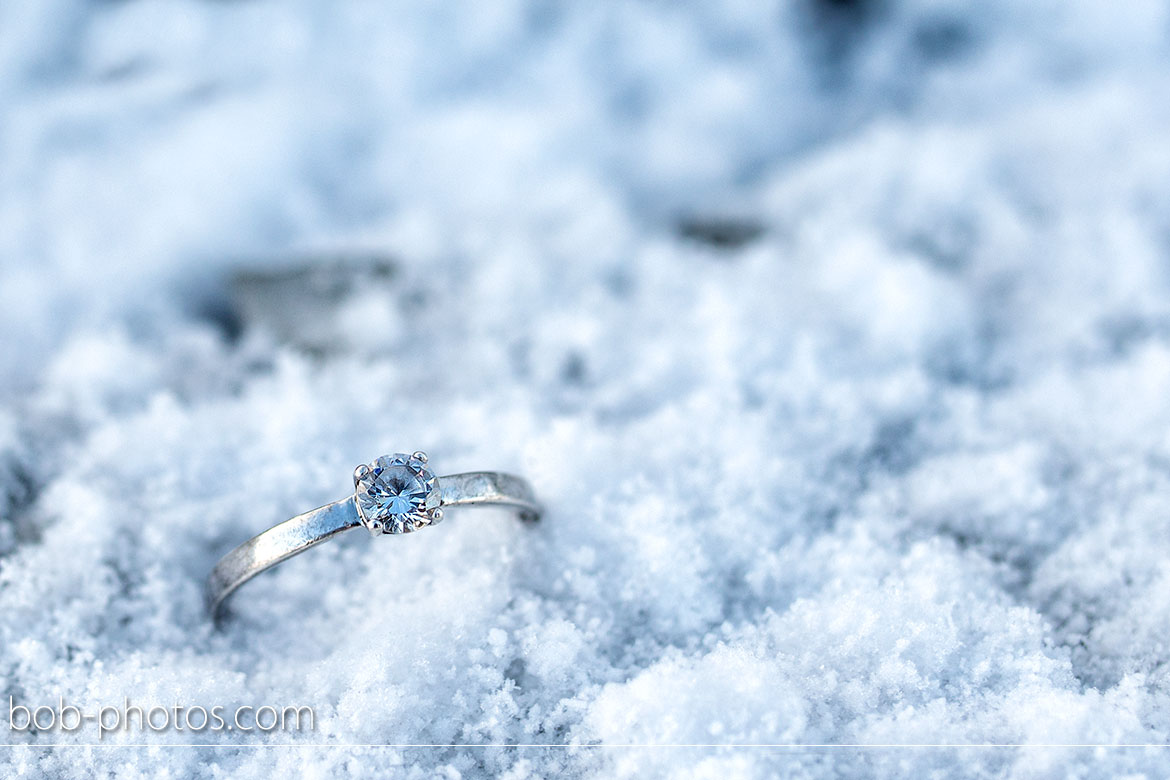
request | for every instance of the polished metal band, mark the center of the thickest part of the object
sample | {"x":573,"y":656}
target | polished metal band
{"x":292,"y":537}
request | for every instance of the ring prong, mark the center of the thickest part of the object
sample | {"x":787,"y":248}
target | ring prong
{"x":420,"y":456}
{"x":436,"y":515}
{"x":375,"y":527}
{"x":360,"y":472}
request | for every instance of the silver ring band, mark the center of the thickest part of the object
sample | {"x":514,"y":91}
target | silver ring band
{"x":382,"y":502}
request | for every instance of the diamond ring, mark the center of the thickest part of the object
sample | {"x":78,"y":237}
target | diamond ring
{"x":396,"y":494}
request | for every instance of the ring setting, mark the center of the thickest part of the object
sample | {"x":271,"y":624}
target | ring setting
{"x":397,"y":494}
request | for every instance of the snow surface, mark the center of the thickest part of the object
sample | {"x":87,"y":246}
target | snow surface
{"x":834,"y":335}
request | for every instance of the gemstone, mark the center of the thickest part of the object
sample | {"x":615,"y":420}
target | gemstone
{"x":396,"y":493}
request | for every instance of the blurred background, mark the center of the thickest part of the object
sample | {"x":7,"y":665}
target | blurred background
{"x":150,"y":150}
{"x":835,"y":335}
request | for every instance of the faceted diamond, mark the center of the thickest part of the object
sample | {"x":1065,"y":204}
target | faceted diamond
{"x":397,"y":492}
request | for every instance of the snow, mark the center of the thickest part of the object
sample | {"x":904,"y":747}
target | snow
{"x":835,"y":338}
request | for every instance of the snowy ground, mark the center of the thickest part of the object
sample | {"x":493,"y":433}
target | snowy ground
{"x":834,"y":335}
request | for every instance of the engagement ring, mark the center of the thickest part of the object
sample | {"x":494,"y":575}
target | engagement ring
{"x":396,"y":494}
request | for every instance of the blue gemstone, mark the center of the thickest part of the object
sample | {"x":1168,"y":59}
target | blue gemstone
{"x":398,"y":492}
